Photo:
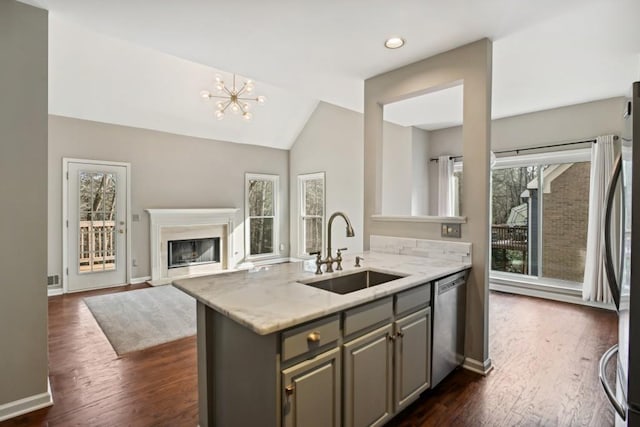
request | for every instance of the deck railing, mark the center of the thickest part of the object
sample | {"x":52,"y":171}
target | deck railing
{"x":509,"y":238}
{"x":97,"y":245}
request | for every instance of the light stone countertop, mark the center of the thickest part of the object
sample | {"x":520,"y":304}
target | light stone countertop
{"x":269,"y":299}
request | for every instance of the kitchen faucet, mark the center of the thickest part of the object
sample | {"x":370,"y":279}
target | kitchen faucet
{"x":329,"y":260}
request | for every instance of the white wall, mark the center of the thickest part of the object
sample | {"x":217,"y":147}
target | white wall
{"x":168,"y":171}
{"x":331,"y":142}
{"x":565,"y":124}
{"x":420,"y":157}
{"x":397,"y":165}
{"x":405,"y":158}
{"x":23,"y":217}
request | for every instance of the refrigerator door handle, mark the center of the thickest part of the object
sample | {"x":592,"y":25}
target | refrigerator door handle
{"x":608,"y":260}
{"x":604,"y":360}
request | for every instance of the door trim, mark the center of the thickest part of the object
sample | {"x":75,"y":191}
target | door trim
{"x":65,"y":207}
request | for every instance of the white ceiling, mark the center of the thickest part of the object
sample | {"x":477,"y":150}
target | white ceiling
{"x":142,"y":62}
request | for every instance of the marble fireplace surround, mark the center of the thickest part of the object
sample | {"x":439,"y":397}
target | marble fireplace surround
{"x":176,"y":224}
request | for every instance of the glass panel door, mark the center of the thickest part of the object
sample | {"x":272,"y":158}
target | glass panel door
{"x":96,"y":234}
{"x":97,"y":225}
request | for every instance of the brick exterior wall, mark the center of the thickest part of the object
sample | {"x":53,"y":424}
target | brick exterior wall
{"x":565,"y":217}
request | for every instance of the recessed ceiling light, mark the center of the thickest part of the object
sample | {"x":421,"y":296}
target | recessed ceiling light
{"x":394,"y":42}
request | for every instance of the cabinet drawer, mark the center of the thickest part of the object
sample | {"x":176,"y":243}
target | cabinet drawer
{"x":412,"y":299}
{"x":309,"y":337}
{"x":367,"y":316}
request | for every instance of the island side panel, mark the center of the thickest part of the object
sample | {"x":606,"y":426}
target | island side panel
{"x":205,"y":375}
{"x":240,"y":376}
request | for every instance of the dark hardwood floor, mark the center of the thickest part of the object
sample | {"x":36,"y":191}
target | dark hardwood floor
{"x":545,"y":356}
{"x":92,"y":386}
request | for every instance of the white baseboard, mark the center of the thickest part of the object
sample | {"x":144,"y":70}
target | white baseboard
{"x":547,"y":294}
{"x":27,"y":404}
{"x":482,"y":368}
{"x":52,"y":292}
{"x":138,"y":280}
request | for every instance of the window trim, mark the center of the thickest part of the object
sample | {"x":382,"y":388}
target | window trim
{"x":302,"y":178}
{"x":247,"y":218}
{"x":546,"y":158}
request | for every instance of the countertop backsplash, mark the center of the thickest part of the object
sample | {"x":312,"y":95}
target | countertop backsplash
{"x":437,"y":249}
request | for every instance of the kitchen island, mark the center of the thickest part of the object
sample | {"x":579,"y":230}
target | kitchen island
{"x":270,"y":348}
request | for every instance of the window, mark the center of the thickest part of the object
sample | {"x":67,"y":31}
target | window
{"x":261,"y":208}
{"x":311,"y":212}
{"x":539,"y":210}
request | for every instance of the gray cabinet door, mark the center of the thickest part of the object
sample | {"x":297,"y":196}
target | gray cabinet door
{"x":412,"y":357}
{"x":368,"y":373}
{"x":311,"y":392}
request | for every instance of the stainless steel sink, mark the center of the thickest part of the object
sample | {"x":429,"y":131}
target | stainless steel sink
{"x":352,"y":282}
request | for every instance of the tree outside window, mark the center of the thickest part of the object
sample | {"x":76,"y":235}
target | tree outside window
{"x":261,"y":224}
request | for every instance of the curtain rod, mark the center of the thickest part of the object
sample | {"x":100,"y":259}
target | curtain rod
{"x":540,"y":147}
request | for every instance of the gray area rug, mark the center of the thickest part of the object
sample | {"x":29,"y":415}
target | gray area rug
{"x":135,"y":320}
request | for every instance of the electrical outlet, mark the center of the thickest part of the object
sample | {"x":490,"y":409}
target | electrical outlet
{"x":450,"y":230}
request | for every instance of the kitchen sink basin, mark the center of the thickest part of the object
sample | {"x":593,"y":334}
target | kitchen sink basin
{"x":352,"y":282}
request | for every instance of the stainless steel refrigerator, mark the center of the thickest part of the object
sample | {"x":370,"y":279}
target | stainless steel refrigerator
{"x":623,"y":270}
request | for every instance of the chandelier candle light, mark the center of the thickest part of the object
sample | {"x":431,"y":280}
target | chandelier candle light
{"x":233,"y":99}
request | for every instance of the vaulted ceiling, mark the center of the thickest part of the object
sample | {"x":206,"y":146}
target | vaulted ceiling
{"x":143,"y":63}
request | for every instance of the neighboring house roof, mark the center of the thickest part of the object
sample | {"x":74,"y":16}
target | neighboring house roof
{"x":519,"y":215}
{"x":549,"y":173}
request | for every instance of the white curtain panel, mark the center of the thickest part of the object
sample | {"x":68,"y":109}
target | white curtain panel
{"x":595,"y":286}
{"x":446,"y":198}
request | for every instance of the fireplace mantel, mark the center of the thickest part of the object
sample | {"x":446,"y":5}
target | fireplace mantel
{"x":170,"y":219}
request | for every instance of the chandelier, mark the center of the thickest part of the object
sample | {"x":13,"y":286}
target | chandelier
{"x":233,"y":98}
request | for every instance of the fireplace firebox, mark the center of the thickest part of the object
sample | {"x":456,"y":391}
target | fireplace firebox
{"x":184,"y":253}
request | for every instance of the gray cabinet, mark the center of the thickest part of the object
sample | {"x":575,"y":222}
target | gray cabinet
{"x":412,"y":357}
{"x":311,"y":392}
{"x":387,"y":368}
{"x":367,"y":378}
{"x":358,"y":367}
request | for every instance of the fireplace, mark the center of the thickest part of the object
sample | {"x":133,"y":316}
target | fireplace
{"x":183,"y":253}
{"x":191,"y":242}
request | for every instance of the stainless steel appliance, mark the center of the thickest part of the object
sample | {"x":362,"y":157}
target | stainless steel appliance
{"x":449,"y":305}
{"x":624,"y":278}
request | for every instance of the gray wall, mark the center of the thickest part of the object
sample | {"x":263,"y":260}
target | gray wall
{"x":397,"y":165}
{"x":420,"y":157}
{"x":470,"y":64}
{"x":331,"y":142}
{"x":572,"y":123}
{"x":23,"y":217}
{"x":404,"y":170}
{"x":168,"y":171}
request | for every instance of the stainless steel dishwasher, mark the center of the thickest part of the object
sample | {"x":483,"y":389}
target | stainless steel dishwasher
{"x":449,"y":306}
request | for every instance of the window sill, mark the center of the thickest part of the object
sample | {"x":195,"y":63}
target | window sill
{"x":556,"y":290}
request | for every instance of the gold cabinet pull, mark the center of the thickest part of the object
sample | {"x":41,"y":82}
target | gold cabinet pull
{"x":288,"y":390}
{"x":400,"y":334}
{"x":391,"y":337}
{"x":314,"y":337}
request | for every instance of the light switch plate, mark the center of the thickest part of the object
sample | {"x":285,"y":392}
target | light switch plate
{"x":450,"y":230}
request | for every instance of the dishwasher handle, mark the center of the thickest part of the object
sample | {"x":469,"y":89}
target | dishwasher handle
{"x":604,"y":361}
{"x":446,"y":286}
